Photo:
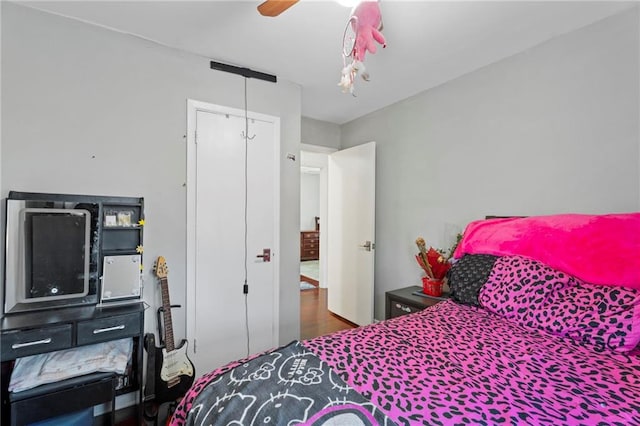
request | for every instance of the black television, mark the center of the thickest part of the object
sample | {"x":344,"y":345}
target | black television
{"x":51,"y":254}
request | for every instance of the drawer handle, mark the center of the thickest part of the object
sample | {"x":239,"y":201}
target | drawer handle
{"x":105,"y":330}
{"x":403,"y":308}
{"x":35,"y":342}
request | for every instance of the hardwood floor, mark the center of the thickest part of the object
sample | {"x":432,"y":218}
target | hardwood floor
{"x":315,"y":319}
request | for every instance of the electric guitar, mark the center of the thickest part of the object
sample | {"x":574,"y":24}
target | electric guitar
{"x":174,"y":372}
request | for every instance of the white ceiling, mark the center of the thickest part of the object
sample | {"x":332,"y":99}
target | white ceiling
{"x":428,"y":42}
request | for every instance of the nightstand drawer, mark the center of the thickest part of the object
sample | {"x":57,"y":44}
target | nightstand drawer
{"x":399,"y":309}
{"x":406,"y":301}
{"x":16,"y":344}
{"x":111,"y":328}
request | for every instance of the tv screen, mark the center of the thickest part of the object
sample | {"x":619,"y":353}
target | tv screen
{"x":56,"y":256}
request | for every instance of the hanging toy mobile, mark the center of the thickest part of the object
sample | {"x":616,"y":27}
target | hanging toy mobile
{"x":362,"y":29}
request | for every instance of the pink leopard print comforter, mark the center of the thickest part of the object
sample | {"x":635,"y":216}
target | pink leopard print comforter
{"x":455,"y":364}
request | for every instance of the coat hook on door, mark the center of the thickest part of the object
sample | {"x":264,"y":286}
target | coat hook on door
{"x":250,"y":137}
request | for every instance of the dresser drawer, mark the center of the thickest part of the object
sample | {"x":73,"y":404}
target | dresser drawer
{"x":309,"y":235}
{"x":17,"y":344}
{"x":110,"y":328}
{"x":75,"y":394}
{"x":310,"y":244}
{"x":309,"y":253}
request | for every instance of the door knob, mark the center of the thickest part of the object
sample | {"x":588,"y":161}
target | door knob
{"x":266,"y":255}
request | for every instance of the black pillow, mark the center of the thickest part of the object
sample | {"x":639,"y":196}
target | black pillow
{"x":467,"y":276}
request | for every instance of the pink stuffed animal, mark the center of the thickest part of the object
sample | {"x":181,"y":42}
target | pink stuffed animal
{"x":368,"y":24}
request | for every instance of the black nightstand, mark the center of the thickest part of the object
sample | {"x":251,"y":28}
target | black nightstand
{"x":402,"y":301}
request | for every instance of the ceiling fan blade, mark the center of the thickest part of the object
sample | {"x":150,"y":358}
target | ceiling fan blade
{"x":275,"y":7}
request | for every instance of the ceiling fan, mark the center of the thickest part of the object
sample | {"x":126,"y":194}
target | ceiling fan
{"x":275,"y":7}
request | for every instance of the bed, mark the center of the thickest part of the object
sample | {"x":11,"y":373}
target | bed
{"x":532,"y":336}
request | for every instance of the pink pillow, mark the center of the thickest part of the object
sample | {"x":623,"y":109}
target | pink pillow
{"x":599,"y":249}
{"x":538,"y":296}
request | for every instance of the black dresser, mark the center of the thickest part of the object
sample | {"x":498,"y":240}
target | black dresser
{"x":39,"y":332}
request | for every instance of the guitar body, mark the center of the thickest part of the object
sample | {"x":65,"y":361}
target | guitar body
{"x":174,"y":373}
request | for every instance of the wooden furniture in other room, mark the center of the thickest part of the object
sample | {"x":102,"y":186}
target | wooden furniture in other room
{"x":38,"y":332}
{"x":309,"y":245}
{"x":403,"y":301}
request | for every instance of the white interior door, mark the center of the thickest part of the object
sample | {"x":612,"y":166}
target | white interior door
{"x":351,"y":228}
{"x":216,"y":310}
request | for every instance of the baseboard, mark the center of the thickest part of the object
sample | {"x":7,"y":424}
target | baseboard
{"x":353,"y":324}
{"x":309,"y":280}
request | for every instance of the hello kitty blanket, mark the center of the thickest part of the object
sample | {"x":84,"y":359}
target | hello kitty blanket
{"x":289,"y":385}
{"x":598,"y":249}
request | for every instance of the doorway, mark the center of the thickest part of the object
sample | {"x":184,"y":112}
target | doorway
{"x":225,"y":244}
{"x":314,"y":174}
{"x":347,"y":238}
{"x":309,"y":227}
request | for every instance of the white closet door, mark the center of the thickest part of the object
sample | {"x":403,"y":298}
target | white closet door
{"x":218,"y":319}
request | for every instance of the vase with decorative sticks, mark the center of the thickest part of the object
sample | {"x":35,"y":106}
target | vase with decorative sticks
{"x":435,"y":265}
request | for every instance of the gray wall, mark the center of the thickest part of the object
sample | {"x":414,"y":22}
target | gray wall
{"x":86,"y":110}
{"x":321,"y":133}
{"x":309,"y":200}
{"x":553,"y":129}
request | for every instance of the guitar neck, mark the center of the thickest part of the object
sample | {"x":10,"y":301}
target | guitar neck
{"x":166,"y":315}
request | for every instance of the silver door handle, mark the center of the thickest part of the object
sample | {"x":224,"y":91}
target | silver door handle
{"x":368,"y":245}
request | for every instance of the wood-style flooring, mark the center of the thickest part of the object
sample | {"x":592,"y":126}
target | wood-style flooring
{"x":315,"y":318}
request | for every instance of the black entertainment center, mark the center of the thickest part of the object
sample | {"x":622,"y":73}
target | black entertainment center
{"x":90,"y":295}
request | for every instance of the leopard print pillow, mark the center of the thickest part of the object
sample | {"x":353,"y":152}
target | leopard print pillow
{"x":538,"y":296}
